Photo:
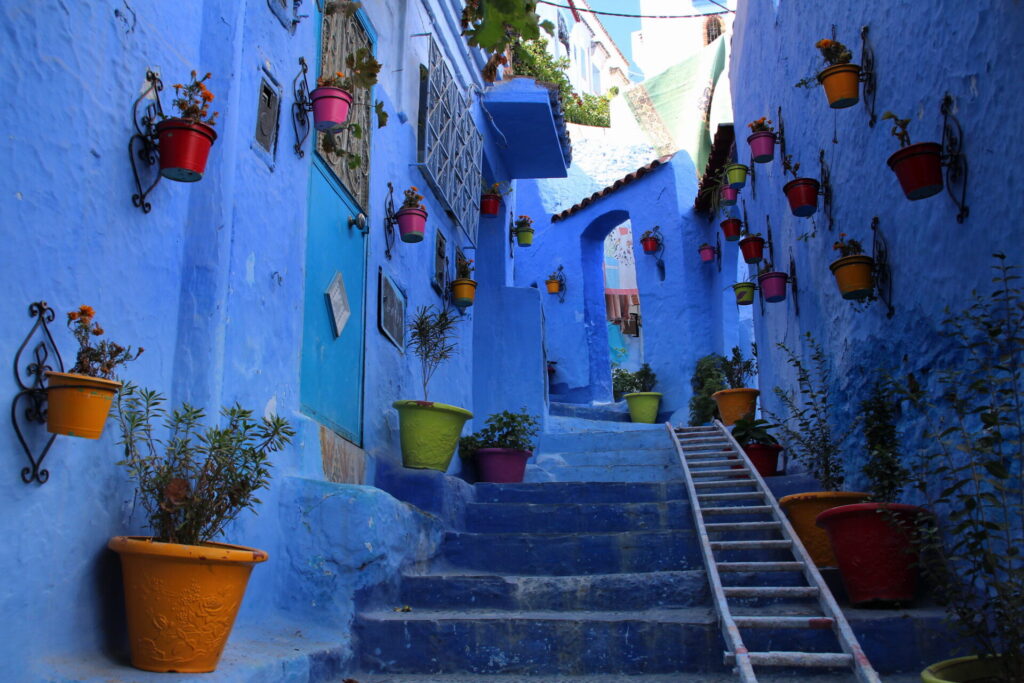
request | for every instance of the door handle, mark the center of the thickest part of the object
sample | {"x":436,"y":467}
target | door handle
{"x":359,"y":221}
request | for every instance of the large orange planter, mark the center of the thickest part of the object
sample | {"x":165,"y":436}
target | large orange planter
{"x":181,"y":600}
{"x":842,"y":85}
{"x":803,"y":509}
{"x":78,"y":405}
{"x":853,"y":275}
{"x":735,"y":403}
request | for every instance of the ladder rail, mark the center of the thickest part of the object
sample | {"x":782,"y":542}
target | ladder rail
{"x":731,"y":632}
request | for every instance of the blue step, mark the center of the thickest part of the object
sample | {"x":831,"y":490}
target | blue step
{"x":550,"y":472}
{"x":604,"y":441}
{"x":631,"y":591}
{"x":619,"y":458}
{"x":581,"y":517}
{"x":576,"y":492}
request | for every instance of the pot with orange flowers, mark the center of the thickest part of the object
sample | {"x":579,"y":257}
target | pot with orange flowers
{"x":917,"y":167}
{"x":524,"y":231}
{"x":464,"y":286}
{"x":490,"y":199}
{"x":853,"y":270}
{"x":761,"y":140}
{"x":412,"y":217}
{"x":79,"y":401}
{"x":802,"y":193}
{"x":185,"y":140}
{"x":841,"y":79}
{"x":333,"y":95}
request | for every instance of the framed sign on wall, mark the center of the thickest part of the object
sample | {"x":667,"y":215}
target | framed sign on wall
{"x":390,"y":310}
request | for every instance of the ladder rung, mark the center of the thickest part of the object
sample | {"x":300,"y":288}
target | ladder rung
{"x":800,"y":659}
{"x":742,"y":526}
{"x":740,"y":545}
{"x":716,"y":461}
{"x":730,"y":496}
{"x":770,"y":591}
{"x":729,"y":472}
{"x":725,"y":483}
{"x":759,"y":566}
{"x":737,"y":510}
{"x":707,"y":449}
{"x":783,"y":622}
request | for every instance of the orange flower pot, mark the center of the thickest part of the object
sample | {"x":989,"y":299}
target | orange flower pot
{"x":78,"y":405}
{"x":803,"y":509}
{"x":553,"y":286}
{"x":853,"y":275}
{"x":181,"y":600}
{"x":842,"y":85}
{"x":735,"y":403}
{"x":463,"y":291}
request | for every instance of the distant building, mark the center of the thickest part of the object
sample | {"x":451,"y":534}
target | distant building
{"x":595,"y":63}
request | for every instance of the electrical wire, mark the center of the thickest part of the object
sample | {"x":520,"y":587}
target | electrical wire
{"x":726,"y":10}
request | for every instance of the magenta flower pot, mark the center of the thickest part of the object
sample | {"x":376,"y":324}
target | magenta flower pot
{"x":773,"y":286}
{"x":707,"y":253}
{"x":729,"y":195}
{"x":762,"y":146}
{"x":330,"y":108}
{"x":412,"y":223}
{"x":501,"y":465}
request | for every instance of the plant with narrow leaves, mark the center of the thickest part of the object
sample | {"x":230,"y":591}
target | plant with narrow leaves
{"x":708,"y":378}
{"x":747,"y":430}
{"x":899,"y":128}
{"x":886,"y":475}
{"x":196,"y":479}
{"x":517,"y":431}
{"x":641,"y":381}
{"x":531,"y":58}
{"x":738,"y":369}
{"x":432,"y":338}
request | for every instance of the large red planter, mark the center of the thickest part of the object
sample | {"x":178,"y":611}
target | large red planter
{"x":731,"y":229}
{"x":802,"y":194}
{"x":875,"y":551}
{"x":752,"y":248}
{"x":501,"y":465}
{"x":765,"y":457}
{"x":184,"y":148}
{"x":919,"y":169}
{"x":773,"y":286}
{"x":762,"y":146}
{"x":489,"y":204}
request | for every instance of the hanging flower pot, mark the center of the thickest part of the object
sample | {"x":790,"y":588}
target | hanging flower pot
{"x":919,"y":169}
{"x":744,"y":293}
{"x":650,"y":245}
{"x":736,"y":175}
{"x":330,"y":108}
{"x":463,"y":291}
{"x":802,"y":194}
{"x":731,"y":228}
{"x":842,"y":85}
{"x":524,"y":236}
{"x":489,"y":204}
{"x":553,"y":286}
{"x":853,"y":275}
{"x":728,"y":196}
{"x":78,"y":405}
{"x":762,"y":146}
{"x":184,"y":148}
{"x":707,"y":253}
{"x":752,"y":247}
{"x":412,"y":223}
{"x":773,"y":286}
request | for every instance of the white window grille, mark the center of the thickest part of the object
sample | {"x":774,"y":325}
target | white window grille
{"x":449,"y":144}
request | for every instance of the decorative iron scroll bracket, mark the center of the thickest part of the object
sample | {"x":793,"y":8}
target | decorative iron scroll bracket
{"x":881,"y":275}
{"x":511,"y":235}
{"x":953,"y":158}
{"x":144,"y":143}
{"x":302,"y":105}
{"x":792,"y":283}
{"x":660,"y":263}
{"x":826,"y":189}
{"x":771,"y":242}
{"x":32,"y":382}
{"x":390,"y":220}
{"x":560,"y":276}
{"x":753,"y":177}
{"x":780,"y":134}
{"x":718,"y":250}
{"x":867,"y":75}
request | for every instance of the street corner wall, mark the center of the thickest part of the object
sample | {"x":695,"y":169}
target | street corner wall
{"x":921,"y":53}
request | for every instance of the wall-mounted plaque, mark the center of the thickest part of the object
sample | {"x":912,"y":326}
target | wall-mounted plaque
{"x":338,"y":309}
{"x":390,"y":310}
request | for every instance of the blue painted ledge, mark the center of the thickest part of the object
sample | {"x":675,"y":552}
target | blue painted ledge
{"x":530,"y":128}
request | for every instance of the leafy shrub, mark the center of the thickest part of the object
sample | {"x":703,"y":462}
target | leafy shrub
{"x":708,"y":377}
{"x":531,"y":58}
{"x":503,"y":430}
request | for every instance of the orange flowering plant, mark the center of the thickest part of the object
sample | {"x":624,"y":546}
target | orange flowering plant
{"x":847,"y":247}
{"x":101,"y":359}
{"x":524,"y":223}
{"x":761,"y":125}
{"x":193,"y":100}
{"x":412,"y":199}
{"x":464,"y":268}
{"x":834,"y":52}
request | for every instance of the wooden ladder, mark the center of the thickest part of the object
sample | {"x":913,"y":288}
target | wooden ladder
{"x":712,"y":460}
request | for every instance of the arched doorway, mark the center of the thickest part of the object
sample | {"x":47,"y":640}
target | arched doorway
{"x":622,"y":300}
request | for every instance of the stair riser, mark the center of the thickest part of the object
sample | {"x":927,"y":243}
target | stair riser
{"x":593,"y":518}
{"x":576,"y":492}
{"x":597,"y":473}
{"x":606,"y":458}
{"x":604,"y":441}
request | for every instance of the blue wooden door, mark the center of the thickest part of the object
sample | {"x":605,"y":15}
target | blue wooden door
{"x":332,"y":338}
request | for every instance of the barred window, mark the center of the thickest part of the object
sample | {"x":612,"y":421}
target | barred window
{"x":449,"y":144}
{"x":712,"y":29}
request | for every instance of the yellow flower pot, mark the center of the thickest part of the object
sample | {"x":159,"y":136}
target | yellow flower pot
{"x":853,"y":275}
{"x":963,"y":670}
{"x":803,"y":508}
{"x":643,"y":406}
{"x":463,"y":291}
{"x":429,"y":432}
{"x":842,"y":85}
{"x":735,"y":403}
{"x":553,"y":286}
{"x":524,"y":236}
{"x":78,"y":405}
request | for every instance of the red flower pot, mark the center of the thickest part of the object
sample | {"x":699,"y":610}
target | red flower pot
{"x":802,"y":194}
{"x":752,"y":248}
{"x":650,"y":244}
{"x":489,"y":204}
{"x":919,"y":169}
{"x":762,"y":146}
{"x":773,"y":286}
{"x":874,"y":547}
{"x":184,"y":148}
{"x":731,"y":229}
{"x":412,"y":223}
{"x":765,"y":457}
{"x":330,"y":108}
{"x":501,"y":465}
{"x":707,"y":253}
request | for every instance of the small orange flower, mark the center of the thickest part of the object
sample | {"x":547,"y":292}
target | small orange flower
{"x":824,"y":43}
{"x":87,"y":311}
{"x":97,"y":330}
{"x":73,"y":315}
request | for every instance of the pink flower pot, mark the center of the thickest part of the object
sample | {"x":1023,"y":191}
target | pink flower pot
{"x":412,"y":223}
{"x":802,"y":194}
{"x":501,"y":465}
{"x":707,"y":253}
{"x":773,"y":286}
{"x":330,"y":108}
{"x":729,"y":195}
{"x":762,"y":146}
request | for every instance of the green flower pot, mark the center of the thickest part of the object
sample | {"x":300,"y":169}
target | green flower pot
{"x":962,"y":670}
{"x":429,"y":433}
{"x":643,"y":406}
{"x":736,"y":174}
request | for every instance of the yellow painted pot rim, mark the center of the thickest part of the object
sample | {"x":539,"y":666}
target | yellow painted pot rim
{"x":643,"y":393}
{"x":208,"y":552}
{"x":822,"y":495}
{"x":101,"y":382}
{"x":934,"y":672}
{"x":464,"y":281}
{"x":723,"y":392}
{"x":431,"y":405}
{"x":850,"y":260}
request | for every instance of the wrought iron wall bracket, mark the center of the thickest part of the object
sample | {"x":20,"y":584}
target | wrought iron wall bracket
{"x":560,"y":277}
{"x":302,"y":105}
{"x":867,"y":75}
{"x":780,"y":134}
{"x":881,"y":275}
{"x":143,"y":147}
{"x":954,"y":159}
{"x":657,"y":253}
{"x":390,"y":220}
{"x":718,"y":250}
{"x":826,"y":189}
{"x":753,"y":177}
{"x":32,"y":382}
{"x":770,"y":241}
{"x":792,"y":284}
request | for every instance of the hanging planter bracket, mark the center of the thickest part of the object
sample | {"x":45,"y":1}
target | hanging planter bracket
{"x":771,"y":242}
{"x":867,"y":75}
{"x":302,"y":105}
{"x":953,"y":158}
{"x":560,"y":276}
{"x":144,"y":142}
{"x":657,"y":253}
{"x":390,"y":221}
{"x":792,"y":283}
{"x":718,"y":251}
{"x":826,"y":189}
{"x":881,"y":275}
{"x":752,"y":176}
{"x":780,"y":135}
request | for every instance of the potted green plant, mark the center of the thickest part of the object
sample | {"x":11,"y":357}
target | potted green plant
{"x":738,"y":400}
{"x":501,"y":449}
{"x":524,"y":231}
{"x":812,"y":440}
{"x":430,"y":431}
{"x":335,"y":92}
{"x":852,"y":270}
{"x":802,"y":193}
{"x":463,"y":286}
{"x":761,"y":140}
{"x":182,"y":589}
{"x":758,"y":443}
{"x":185,"y":140}
{"x":917,"y":167}
{"x":412,"y":216}
{"x":641,"y":398}
{"x":841,"y":79}
{"x":707,"y":379}
{"x":622,"y":383}
{"x":490,"y":199}
{"x":969,"y":472}
{"x":79,"y":401}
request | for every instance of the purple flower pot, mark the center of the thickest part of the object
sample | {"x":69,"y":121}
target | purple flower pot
{"x":501,"y":465}
{"x":729,"y":195}
{"x":762,"y":146}
{"x":773,"y":286}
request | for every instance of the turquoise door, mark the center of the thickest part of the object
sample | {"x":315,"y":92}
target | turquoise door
{"x":332,"y":338}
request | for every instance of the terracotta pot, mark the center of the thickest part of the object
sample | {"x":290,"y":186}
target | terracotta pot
{"x":489,"y":204}
{"x":773,"y":286}
{"x":842,"y":85}
{"x":802,"y":194}
{"x":735,"y":403}
{"x":501,"y":465}
{"x":744,"y":292}
{"x":762,"y":146}
{"x":752,"y":248}
{"x":330,"y":108}
{"x":765,"y":457}
{"x":463,"y":291}
{"x":731,"y":229}
{"x":803,"y":509}
{"x":78,"y":405}
{"x":650,"y":244}
{"x":412,"y":223}
{"x":853,"y":275}
{"x":873,"y":545}
{"x":707,"y":253}
{"x":919,"y":169}
{"x":184,"y":148}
